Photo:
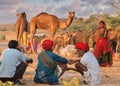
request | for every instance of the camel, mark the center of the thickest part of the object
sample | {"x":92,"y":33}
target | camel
{"x":21,"y":28}
{"x":80,"y":36}
{"x":48,"y":22}
{"x":61,"y":40}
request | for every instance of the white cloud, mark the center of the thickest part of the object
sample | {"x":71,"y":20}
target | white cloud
{"x":60,"y":8}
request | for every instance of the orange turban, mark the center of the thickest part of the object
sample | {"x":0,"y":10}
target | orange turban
{"x":82,"y":46}
{"x":47,"y":44}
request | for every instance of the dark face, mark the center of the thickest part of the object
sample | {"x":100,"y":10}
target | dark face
{"x":19,"y":47}
{"x":80,"y":52}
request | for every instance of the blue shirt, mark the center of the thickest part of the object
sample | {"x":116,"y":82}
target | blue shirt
{"x":9,"y":61}
{"x":45,"y":74}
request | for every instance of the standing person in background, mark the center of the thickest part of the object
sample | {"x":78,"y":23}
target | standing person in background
{"x":46,"y":71}
{"x":102,"y":50}
{"x":13,"y":63}
{"x":35,"y":45}
{"x":87,"y":65}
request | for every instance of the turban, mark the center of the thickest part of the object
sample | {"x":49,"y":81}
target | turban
{"x":82,"y":46}
{"x":47,"y":44}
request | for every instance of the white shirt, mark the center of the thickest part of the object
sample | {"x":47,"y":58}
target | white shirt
{"x":9,"y":61}
{"x":92,"y":76}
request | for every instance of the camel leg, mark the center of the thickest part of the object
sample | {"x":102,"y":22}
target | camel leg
{"x":32,"y":41}
{"x":17,"y":30}
{"x":52,"y":34}
{"x":32,"y":32}
{"x":56,"y":49}
{"x":21,"y":34}
{"x":17,"y":33}
{"x":24,"y":38}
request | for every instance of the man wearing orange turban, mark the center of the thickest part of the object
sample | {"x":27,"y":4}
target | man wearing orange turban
{"x":87,"y":65}
{"x":46,"y":71}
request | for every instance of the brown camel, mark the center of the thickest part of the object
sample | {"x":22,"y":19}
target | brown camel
{"x":21,"y":27}
{"x":61,"y":40}
{"x":48,"y":22}
{"x":80,"y":36}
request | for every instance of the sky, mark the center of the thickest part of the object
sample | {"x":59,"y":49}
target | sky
{"x":59,"y":8}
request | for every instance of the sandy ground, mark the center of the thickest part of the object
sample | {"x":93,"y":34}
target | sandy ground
{"x":110,"y":76}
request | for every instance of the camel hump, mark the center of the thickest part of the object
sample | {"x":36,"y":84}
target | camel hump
{"x":42,"y":13}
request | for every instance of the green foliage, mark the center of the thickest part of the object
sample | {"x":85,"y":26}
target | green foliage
{"x":92,"y":22}
{"x":91,"y":25}
{"x":91,"y":19}
{"x":115,"y":22}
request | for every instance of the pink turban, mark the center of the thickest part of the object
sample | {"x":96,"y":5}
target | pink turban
{"x":47,"y":44}
{"x":82,"y":46}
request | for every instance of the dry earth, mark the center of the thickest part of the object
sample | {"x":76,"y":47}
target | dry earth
{"x":110,"y":76}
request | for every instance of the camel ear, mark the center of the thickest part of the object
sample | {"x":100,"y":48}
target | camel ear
{"x":24,"y":14}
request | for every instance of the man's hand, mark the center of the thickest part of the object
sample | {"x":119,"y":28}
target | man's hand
{"x":71,"y":62}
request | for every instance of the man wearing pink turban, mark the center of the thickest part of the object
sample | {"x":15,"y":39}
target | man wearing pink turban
{"x":46,"y":71}
{"x":87,"y":65}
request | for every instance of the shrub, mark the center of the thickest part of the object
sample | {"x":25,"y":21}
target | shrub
{"x":2,"y":37}
{"x":3,"y":29}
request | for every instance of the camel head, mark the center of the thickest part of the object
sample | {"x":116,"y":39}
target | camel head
{"x":68,"y":21}
{"x":23,"y":14}
{"x":71,"y":14}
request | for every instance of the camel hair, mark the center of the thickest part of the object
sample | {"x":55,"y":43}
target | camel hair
{"x":48,"y":22}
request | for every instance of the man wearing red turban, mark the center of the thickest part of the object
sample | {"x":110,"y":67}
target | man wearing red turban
{"x":87,"y":65}
{"x":82,"y":46}
{"x":47,"y":44}
{"x":47,"y":64}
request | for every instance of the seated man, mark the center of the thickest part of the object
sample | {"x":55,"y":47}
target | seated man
{"x":48,"y":61}
{"x":88,"y":65}
{"x":13,"y":63}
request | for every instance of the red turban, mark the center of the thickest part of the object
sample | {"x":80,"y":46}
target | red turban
{"x":47,"y":44}
{"x":82,"y":46}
